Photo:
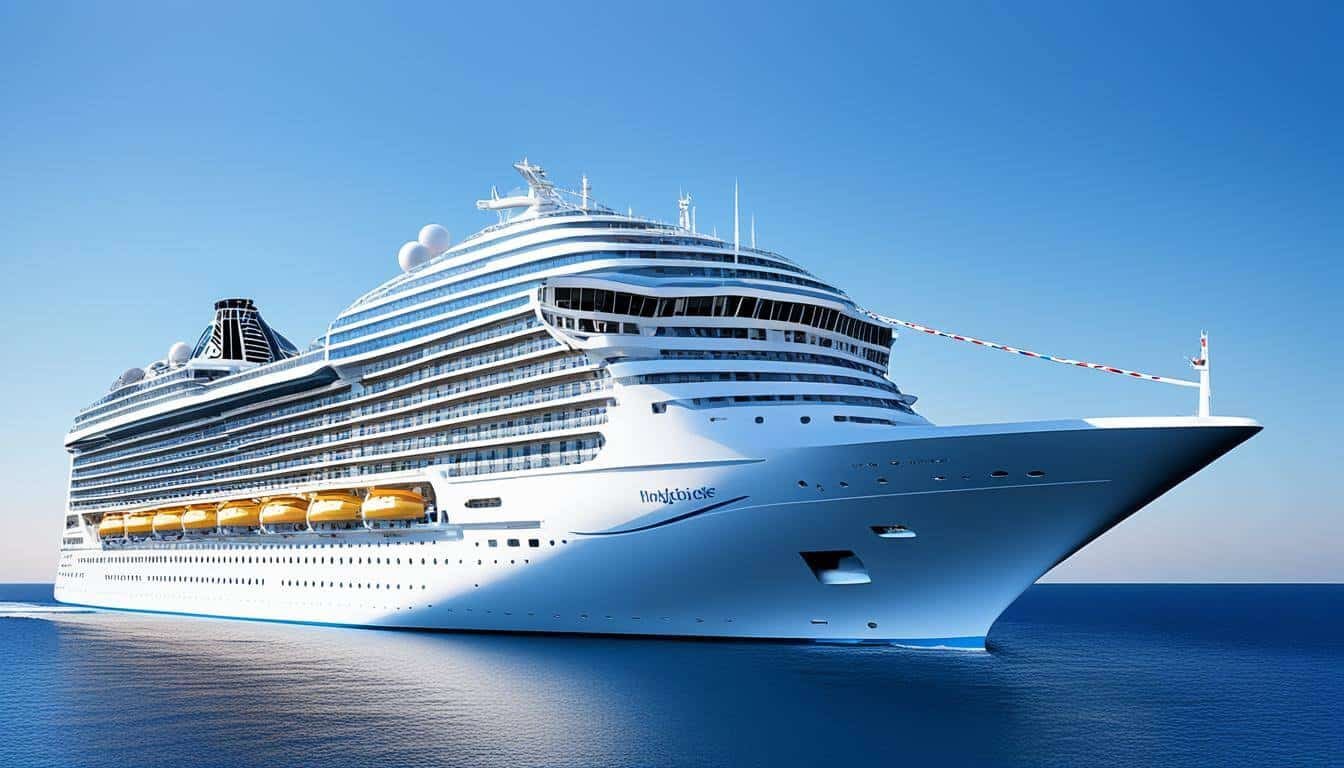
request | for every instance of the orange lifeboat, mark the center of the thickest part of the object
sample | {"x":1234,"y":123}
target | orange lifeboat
{"x":167,"y":521}
{"x":241,"y":513}
{"x":334,"y":509}
{"x":140,"y":523}
{"x":392,"y":505}
{"x":284,"y":513}
{"x":113,"y":526}
{"x":199,"y":517}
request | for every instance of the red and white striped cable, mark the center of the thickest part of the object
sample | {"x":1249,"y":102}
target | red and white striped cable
{"x":1040,"y":356}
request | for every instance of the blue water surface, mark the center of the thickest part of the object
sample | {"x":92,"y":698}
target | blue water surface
{"x":1077,"y":675}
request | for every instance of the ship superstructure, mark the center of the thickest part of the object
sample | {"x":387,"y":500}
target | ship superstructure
{"x":577,"y":420}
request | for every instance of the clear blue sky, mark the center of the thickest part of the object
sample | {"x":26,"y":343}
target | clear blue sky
{"x":1093,"y":180}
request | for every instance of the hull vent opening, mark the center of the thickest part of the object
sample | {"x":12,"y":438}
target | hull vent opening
{"x":836,"y":566}
{"x":893,"y":532}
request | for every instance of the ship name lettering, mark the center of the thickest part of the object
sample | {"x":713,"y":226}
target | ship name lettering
{"x":674,"y":495}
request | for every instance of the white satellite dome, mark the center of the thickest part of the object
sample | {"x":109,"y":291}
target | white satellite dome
{"x":435,"y":238}
{"x":412,"y":255}
{"x":179,"y":353}
{"x":131,"y":376}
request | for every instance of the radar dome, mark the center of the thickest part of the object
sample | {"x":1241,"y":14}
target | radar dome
{"x":131,"y":376}
{"x":412,"y":255}
{"x":179,"y":353}
{"x":435,"y":238}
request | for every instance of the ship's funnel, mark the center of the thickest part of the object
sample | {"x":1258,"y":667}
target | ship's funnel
{"x":239,"y":333}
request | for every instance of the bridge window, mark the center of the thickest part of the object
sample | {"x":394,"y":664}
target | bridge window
{"x":622,"y":303}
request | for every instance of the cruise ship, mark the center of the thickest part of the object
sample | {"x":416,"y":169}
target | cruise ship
{"x":582,"y":421}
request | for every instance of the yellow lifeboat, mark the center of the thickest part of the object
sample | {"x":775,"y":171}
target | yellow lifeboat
{"x":167,"y":521}
{"x":284,"y":510}
{"x":199,"y":517}
{"x":334,"y":507}
{"x":140,"y":523}
{"x":392,"y":504}
{"x":243,"y":513}
{"x":113,"y":526}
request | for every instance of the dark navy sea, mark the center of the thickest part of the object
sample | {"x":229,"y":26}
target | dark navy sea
{"x":1076,"y":676}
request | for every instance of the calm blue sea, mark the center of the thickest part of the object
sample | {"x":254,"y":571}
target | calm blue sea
{"x":1077,"y":675}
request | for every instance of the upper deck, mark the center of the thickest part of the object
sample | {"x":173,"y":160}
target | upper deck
{"x":548,"y":236}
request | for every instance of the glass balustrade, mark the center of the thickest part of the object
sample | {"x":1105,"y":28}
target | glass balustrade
{"x":85,"y":490}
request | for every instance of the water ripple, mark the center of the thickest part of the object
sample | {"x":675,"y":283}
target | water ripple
{"x":1076,"y":675}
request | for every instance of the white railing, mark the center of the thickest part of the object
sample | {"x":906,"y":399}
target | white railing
{"x":81,"y":495}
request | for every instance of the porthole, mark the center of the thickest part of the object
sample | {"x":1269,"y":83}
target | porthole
{"x":881,"y":481}
{"x":802,"y":483}
{"x":805,"y":419}
{"x":760,"y":419}
{"x":999,"y":473}
{"x":940,"y":478}
{"x":1035,"y":473}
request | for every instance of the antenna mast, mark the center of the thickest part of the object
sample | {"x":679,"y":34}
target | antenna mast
{"x":1201,"y":364}
{"x":735,"y":233}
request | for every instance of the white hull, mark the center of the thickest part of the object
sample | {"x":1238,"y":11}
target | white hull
{"x":728,"y":564}
{"x":600,"y":424}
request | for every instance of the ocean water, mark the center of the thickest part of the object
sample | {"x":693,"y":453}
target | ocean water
{"x":1104,"y":675}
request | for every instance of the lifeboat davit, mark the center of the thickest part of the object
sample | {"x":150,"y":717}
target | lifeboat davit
{"x":140,"y":523}
{"x":244,"y":513}
{"x":392,"y":505}
{"x":334,"y":509}
{"x":284,"y":513}
{"x":167,"y":521}
{"x":113,"y":526}
{"x":199,"y":517}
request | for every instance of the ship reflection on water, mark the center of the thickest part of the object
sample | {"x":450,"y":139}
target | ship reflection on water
{"x":1078,"y":675}
{"x":233,"y":692}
